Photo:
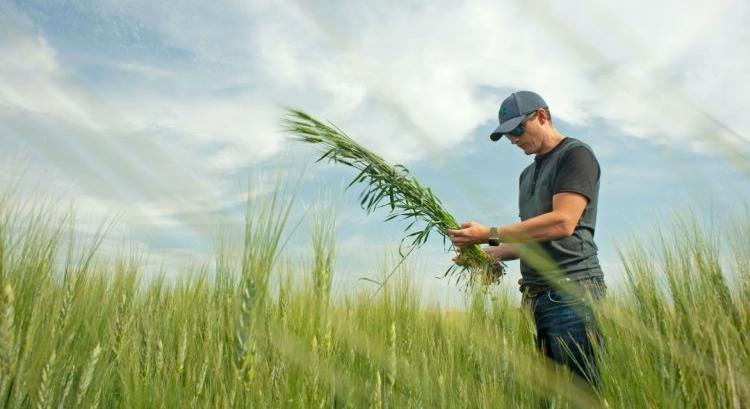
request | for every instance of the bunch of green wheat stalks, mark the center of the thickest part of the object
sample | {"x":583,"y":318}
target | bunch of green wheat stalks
{"x":392,"y":187}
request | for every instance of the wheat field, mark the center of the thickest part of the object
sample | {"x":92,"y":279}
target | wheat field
{"x":78,"y":330}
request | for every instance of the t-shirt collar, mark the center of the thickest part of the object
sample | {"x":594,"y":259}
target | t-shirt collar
{"x":539,"y":158}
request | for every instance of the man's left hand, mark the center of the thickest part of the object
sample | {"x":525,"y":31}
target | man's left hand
{"x":470,"y":233}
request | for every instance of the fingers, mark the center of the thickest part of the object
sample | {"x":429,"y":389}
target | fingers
{"x":456,"y":261}
{"x":457,"y":249}
{"x":458,"y":243}
{"x":464,"y":225}
{"x":460,"y":237}
{"x":455,"y":237}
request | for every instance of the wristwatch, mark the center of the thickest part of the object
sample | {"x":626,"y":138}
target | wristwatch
{"x":494,"y":238}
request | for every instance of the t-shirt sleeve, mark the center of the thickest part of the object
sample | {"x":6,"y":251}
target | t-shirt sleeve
{"x":579,"y":172}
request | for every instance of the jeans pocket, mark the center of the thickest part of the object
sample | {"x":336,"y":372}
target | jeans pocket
{"x":563,"y":298}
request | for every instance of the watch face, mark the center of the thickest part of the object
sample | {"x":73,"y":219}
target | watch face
{"x":494,"y":238}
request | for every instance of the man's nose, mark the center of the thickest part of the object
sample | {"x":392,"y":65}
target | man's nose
{"x":512,"y":139}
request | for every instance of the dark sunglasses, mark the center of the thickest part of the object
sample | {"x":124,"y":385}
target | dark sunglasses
{"x":521,"y":128}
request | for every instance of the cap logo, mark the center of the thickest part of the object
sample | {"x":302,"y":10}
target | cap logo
{"x":503,"y":110}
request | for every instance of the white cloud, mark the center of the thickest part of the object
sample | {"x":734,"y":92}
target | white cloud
{"x":404,"y":80}
{"x":198,"y":93}
{"x":31,"y":78}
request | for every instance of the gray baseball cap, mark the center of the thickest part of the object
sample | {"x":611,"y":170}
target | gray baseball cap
{"x":514,"y":109}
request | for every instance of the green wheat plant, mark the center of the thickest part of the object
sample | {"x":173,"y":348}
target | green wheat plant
{"x":266,"y":327}
{"x":392,"y":187}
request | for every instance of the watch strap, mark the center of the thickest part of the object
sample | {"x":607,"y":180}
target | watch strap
{"x":494,"y":238}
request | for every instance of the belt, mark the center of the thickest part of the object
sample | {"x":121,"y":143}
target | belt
{"x":533,"y":290}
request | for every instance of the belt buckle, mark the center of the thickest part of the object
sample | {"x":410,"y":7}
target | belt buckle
{"x":532,"y":290}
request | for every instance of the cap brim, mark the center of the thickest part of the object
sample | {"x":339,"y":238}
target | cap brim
{"x":505,"y":127}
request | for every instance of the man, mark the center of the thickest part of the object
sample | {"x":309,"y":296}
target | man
{"x":558,"y":196}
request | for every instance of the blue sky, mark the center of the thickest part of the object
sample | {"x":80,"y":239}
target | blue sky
{"x":163,"y":113}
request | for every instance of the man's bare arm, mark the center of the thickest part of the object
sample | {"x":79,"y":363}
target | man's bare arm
{"x":567,"y":209}
{"x":504,"y":252}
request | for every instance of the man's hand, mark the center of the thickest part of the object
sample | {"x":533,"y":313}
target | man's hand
{"x":456,"y":259}
{"x":503,"y":252}
{"x":495,"y":252}
{"x":470,"y":233}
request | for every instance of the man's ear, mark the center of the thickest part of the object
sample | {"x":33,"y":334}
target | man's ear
{"x":542,"y":117}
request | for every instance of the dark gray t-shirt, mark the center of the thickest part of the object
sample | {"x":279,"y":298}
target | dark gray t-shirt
{"x":570,"y":167}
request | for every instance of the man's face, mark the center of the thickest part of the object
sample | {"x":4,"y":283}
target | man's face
{"x":531,"y":140}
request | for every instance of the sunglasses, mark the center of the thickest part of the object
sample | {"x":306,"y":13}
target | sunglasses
{"x":521,"y":128}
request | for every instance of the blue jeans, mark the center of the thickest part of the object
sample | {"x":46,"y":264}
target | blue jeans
{"x":566,"y":327}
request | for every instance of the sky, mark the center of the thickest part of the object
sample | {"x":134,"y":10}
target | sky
{"x":165,"y":114}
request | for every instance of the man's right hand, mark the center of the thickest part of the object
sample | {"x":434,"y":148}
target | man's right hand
{"x":503,"y":252}
{"x":495,"y":252}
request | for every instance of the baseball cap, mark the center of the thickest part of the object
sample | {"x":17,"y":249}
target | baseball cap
{"x":514,"y":109}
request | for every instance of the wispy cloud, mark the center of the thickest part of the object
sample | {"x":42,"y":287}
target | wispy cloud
{"x":158,"y":108}
{"x":394,"y":76}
